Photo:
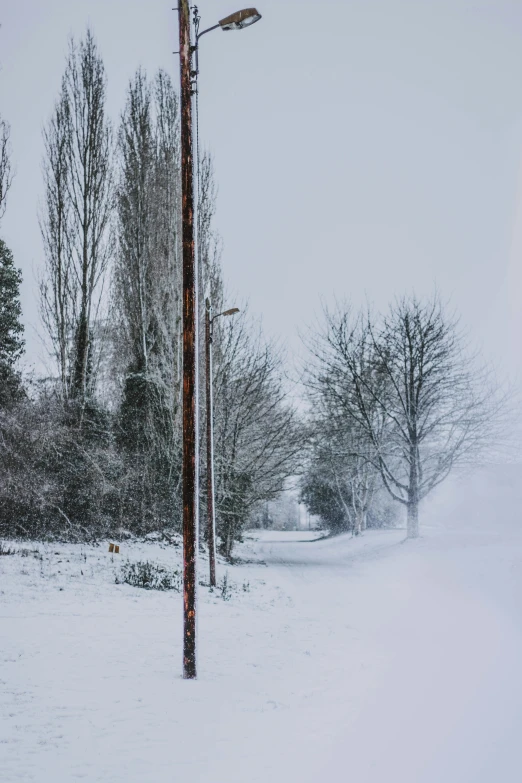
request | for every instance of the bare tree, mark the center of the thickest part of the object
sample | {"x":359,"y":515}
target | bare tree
{"x":6,"y":173}
{"x":209,"y":241}
{"x":341,"y":445}
{"x":59,"y":284}
{"x":339,"y":485}
{"x":257,"y":434}
{"x":344,"y":455}
{"x":135,"y":200}
{"x":423,"y":402}
{"x":76,"y":221}
{"x":167,"y":234}
{"x":90,"y":190}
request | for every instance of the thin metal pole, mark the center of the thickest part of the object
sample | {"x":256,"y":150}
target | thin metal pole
{"x":211,"y":518}
{"x":190,"y":422}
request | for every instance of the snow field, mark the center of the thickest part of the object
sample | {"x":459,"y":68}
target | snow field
{"x":370,"y":659}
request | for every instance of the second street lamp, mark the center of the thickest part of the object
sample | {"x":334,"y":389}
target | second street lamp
{"x":211,"y":513}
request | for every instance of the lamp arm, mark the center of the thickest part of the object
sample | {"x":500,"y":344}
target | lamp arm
{"x":195,"y":48}
{"x":217,"y":315}
{"x":208,"y":30}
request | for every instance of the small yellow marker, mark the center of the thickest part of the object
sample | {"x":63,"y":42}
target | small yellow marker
{"x":111,"y":547}
{"x":116,"y":549}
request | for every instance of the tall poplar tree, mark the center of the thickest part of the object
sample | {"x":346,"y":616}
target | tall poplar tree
{"x":76,"y":224}
{"x":147,"y":296}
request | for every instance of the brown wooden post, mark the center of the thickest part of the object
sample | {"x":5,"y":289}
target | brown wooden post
{"x":190,"y":424}
{"x":211,"y":519}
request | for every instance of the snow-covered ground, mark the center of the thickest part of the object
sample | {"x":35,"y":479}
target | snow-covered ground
{"x":372,"y":659}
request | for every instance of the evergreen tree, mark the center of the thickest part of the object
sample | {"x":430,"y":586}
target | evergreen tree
{"x":11,"y":329}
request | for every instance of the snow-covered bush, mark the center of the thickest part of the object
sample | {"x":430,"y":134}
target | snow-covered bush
{"x":150,"y":576}
{"x":225,"y":588}
{"x":60,"y":480}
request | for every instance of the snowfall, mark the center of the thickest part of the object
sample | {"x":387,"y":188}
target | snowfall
{"x":367,"y":659}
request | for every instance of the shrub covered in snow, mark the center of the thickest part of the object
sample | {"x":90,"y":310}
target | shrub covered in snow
{"x":150,"y":576}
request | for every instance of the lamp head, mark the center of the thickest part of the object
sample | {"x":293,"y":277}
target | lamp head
{"x":240,"y":19}
{"x":232,"y":311}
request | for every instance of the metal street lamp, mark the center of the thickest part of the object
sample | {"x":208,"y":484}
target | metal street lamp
{"x":190,"y":476}
{"x":211,"y":514}
{"x":236,"y":21}
{"x":240,"y":19}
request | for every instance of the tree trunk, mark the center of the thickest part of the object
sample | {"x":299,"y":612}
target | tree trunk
{"x":229,"y":542}
{"x":359,"y":521}
{"x":413,"y":519}
{"x":82,"y":350}
{"x":413,"y":496}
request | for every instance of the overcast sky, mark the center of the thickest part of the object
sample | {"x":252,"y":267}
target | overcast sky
{"x":362,"y":148}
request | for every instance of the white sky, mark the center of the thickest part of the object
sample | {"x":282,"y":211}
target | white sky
{"x":362,"y":148}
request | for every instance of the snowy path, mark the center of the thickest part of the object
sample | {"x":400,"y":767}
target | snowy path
{"x":418,"y":656}
{"x":369,"y":660}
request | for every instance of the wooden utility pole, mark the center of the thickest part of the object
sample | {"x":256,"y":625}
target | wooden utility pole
{"x":190,"y":373}
{"x":211,"y":518}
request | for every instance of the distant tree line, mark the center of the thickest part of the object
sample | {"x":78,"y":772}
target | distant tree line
{"x":95,"y":450}
{"x":395,"y":401}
